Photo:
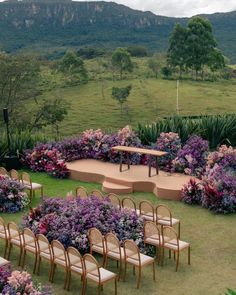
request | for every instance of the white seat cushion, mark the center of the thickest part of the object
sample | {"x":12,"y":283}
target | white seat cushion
{"x":154,"y":240}
{"x":115,"y":253}
{"x":99,"y":248}
{"x":166,"y":221}
{"x":172,"y":244}
{"x":144,"y":259}
{"x":105,"y":275}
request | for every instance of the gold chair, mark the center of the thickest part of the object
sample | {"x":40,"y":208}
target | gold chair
{"x":97,"y":274}
{"x":152,"y":236}
{"x":4,"y":235}
{"x":137,"y":259}
{"x":81,"y":192}
{"x":75,"y":264}
{"x":147,"y":211}
{"x":128,"y":203}
{"x":114,"y":250}
{"x":31,"y":186}
{"x":98,"y":194}
{"x":97,"y":243}
{"x":15,"y":239}
{"x":14,"y":175}
{"x":164,"y":217}
{"x":171,"y":242}
{"x":44,"y":252}
{"x":59,"y":258}
{"x":30,"y":245}
{"x":114,"y":199}
{"x":3,"y":171}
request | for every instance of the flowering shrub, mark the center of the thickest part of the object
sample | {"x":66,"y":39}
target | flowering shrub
{"x":191,"y":159}
{"x":170,"y":143}
{"x":46,"y":157}
{"x":192,"y":192}
{"x":69,"y":221}
{"x":5,"y":272}
{"x":20,"y":283}
{"x":12,"y":195}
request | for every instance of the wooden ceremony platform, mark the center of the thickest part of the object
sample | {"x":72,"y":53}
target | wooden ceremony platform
{"x":163,"y":185}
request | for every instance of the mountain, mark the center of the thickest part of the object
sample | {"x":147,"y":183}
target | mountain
{"x":59,"y":24}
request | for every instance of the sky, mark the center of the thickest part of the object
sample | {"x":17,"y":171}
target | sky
{"x":180,"y":8}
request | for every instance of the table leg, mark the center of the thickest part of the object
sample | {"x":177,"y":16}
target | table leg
{"x":128,"y":160}
{"x":121,"y":159}
{"x":149,"y":166}
{"x":157,"y":166}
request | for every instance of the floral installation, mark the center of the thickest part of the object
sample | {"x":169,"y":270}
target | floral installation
{"x":5,"y":272}
{"x":192,"y":192}
{"x":69,"y":220}
{"x":12,"y":196}
{"x":192,"y":158}
{"x":20,"y":283}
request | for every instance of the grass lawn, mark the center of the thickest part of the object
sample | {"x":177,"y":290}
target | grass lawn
{"x":213,"y":259}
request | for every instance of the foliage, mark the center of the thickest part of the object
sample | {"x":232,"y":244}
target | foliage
{"x":154,"y":65}
{"x":121,"y":61}
{"x":191,"y":159}
{"x":69,"y":220}
{"x":137,"y":50}
{"x":121,"y":94}
{"x":170,"y":143}
{"x":90,"y":52}
{"x":230,"y":292}
{"x":166,"y":72}
{"x":20,"y":283}
{"x":5,"y":272}
{"x":217,"y":129}
{"x":192,"y":192}
{"x":12,"y":195}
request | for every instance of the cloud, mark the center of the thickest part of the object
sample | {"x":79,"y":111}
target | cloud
{"x":180,"y":7}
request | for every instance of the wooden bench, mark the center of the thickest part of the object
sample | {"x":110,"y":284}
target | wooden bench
{"x":129,"y":149}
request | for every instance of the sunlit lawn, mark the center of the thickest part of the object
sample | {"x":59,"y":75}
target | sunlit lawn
{"x":213,"y":255}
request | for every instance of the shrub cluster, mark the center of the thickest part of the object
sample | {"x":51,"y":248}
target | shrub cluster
{"x":12,"y":195}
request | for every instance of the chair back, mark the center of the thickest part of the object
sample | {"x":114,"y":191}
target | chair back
{"x":75,"y":259}
{"x":163,"y":213}
{"x":44,"y":245}
{"x":170,"y":236}
{"x":14,"y":174}
{"x":96,"y":193}
{"x":91,"y":266}
{"x":26,"y":179}
{"x":58,"y":251}
{"x":81,"y":192}
{"x":3,"y":228}
{"x":112,"y":244}
{"x":132,"y":252}
{"x":29,"y":237}
{"x":128,"y":203}
{"x":3,"y":171}
{"x":151,"y":231}
{"x":147,"y":210}
{"x":14,"y":233}
{"x":95,"y":237}
{"x":114,"y":199}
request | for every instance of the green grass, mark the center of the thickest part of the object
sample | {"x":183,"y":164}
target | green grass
{"x":149,"y":99}
{"x":212,"y":238}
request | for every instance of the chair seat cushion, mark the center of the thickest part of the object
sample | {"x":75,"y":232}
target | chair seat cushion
{"x":154,"y":240}
{"x":99,"y":248}
{"x":105,"y":275}
{"x":166,"y":221}
{"x":144,"y":259}
{"x":116,"y":254}
{"x":173,"y":245}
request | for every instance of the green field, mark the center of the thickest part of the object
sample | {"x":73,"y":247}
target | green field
{"x":91,"y":105}
{"x":213,"y":259}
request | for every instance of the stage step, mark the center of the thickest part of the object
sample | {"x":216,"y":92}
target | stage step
{"x":111,"y":187}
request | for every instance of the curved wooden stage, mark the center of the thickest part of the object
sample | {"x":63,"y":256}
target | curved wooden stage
{"x":163,"y":185}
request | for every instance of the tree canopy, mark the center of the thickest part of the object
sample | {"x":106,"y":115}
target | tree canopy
{"x":121,"y":61}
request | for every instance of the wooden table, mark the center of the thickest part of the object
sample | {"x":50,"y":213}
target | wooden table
{"x":129,"y":149}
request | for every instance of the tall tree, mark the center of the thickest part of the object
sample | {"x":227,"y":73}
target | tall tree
{"x":121,"y":60}
{"x":121,"y":95}
{"x":177,"y":52}
{"x":200,"y":43}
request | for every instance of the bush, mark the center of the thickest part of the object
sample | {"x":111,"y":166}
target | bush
{"x":12,"y":195}
{"x":69,"y":220}
{"x":192,"y":192}
{"x":191,"y":159}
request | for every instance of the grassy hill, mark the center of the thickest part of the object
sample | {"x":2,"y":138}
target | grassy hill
{"x":51,"y":26}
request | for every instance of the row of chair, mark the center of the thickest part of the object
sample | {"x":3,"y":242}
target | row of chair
{"x":70,"y":260}
{"x":23,"y":178}
{"x":161,"y":214}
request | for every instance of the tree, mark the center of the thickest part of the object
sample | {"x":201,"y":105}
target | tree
{"x":200,"y":43}
{"x":216,"y":60}
{"x":177,"y":52}
{"x":121,"y":95}
{"x":154,"y":65}
{"x":121,"y":60}
{"x":137,"y":50}
{"x":166,"y":72}
{"x":73,"y":66}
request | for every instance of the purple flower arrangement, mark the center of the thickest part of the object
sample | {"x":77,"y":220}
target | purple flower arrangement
{"x":68,"y":220}
{"x":217,"y":191}
{"x":192,"y":158}
{"x":12,"y":195}
{"x":5,"y":272}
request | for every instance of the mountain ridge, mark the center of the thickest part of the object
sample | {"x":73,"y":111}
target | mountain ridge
{"x":63,"y":24}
